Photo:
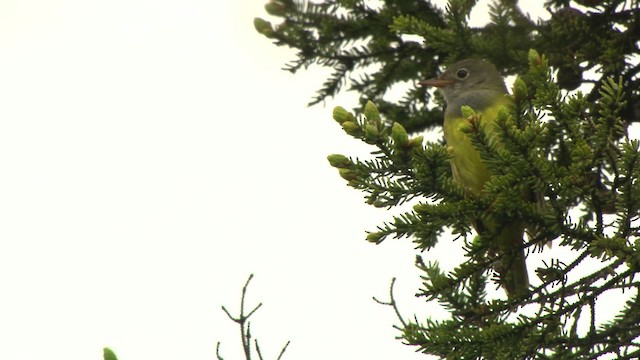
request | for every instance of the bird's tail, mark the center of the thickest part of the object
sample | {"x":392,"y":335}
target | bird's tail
{"x":512,"y":267}
{"x":513,"y":274}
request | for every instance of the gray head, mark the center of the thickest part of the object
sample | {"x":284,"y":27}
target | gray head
{"x":468,"y":79}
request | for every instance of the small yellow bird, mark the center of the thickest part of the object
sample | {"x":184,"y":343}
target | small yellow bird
{"x":477,"y":84}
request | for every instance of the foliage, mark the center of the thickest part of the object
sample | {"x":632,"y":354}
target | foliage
{"x":365,"y":43}
{"x":571,"y":147}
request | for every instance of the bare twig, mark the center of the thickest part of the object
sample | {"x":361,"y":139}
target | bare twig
{"x":392,"y":302}
{"x":218,"y":356}
{"x":245,"y":327}
{"x":284,"y":348}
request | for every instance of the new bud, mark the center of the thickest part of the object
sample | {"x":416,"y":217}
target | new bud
{"x":108,"y":354}
{"x":371,"y":132}
{"x":375,"y":237}
{"x":503,"y":115}
{"x":275,"y":8}
{"x":416,"y":141}
{"x":263,"y":27}
{"x":534,"y":58}
{"x":399,"y":135}
{"x":347,"y":174}
{"x":341,"y":115}
{"x":520,"y":89}
{"x":339,"y":161}
{"x":350,"y":127}
{"x":467,"y":111}
{"x":372,"y":114}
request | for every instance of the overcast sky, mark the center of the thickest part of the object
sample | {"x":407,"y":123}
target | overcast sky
{"x":154,"y":155}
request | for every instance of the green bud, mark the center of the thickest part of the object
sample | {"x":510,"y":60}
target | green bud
{"x":372,"y":114}
{"x":347,"y":174}
{"x":108,"y":354}
{"x":399,"y":135}
{"x":380,"y":204}
{"x":416,"y":141}
{"x":534,"y":58}
{"x":371,"y":131}
{"x":275,"y":8}
{"x":467,"y":111}
{"x":341,"y":115}
{"x":350,"y":127}
{"x":503,"y":114}
{"x":339,"y":161}
{"x":375,"y":237}
{"x":520,"y":89}
{"x":263,"y":27}
{"x":420,"y":207}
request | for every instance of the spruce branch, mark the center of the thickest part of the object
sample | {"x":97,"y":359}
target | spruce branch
{"x":462,"y":290}
{"x":566,"y":147}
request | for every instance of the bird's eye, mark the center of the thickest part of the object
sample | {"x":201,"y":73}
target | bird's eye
{"x":462,"y":73}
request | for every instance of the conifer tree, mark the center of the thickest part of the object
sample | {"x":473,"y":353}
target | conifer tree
{"x":577,"y":94}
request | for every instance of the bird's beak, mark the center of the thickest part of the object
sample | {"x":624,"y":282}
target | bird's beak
{"x":439,"y":83}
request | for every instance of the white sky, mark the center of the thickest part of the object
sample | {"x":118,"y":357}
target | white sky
{"x":153,"y":156}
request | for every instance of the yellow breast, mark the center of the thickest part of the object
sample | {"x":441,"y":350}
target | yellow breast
{"x":467,"y":166}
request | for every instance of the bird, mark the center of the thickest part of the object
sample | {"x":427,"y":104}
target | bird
{"x":477,"y":84}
